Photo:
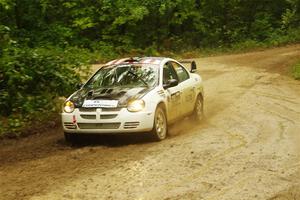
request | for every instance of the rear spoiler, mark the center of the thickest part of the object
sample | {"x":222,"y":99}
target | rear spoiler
{"x":193,"y":65}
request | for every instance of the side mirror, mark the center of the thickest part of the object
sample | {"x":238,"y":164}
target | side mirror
{"x":171,"y":83}
{"x":193,"y":67}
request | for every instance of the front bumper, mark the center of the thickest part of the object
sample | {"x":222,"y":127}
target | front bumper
{"x":106,"y":121}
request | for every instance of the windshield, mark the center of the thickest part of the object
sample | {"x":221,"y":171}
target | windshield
{"x":125,"y":75}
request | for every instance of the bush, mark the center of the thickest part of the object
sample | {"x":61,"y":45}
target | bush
{"x":31,"y":81}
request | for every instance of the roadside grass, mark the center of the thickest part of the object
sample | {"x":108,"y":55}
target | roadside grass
{"x":18,"y":125}
{"x":243,"y":47}
{"x":179,"y":50}
{"x":296,"y":71}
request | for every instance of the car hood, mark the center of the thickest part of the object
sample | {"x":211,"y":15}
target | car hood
{"x":122,"y":94}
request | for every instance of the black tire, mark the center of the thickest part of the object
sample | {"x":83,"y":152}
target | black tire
{"x":160,"y":125}
{"x":198,"y":113}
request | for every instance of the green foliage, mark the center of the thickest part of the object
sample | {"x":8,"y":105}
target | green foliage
{"x":32,"y":79}
{"x":119,"y":26}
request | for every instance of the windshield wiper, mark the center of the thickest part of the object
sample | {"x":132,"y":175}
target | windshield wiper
{"x":138,"y":77}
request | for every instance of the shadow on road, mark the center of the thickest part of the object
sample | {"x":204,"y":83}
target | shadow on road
{"x":108,"y":140}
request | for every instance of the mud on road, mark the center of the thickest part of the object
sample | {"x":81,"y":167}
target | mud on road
{"x":247,"y":147}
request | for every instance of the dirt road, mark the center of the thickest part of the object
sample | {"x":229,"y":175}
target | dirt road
{"x":247,"y":148}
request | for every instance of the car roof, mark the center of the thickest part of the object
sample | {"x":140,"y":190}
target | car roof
{"x":137,"y":60}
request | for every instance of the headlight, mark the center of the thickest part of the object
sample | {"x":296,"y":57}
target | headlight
{"x":69,"y":106}
{"x":135,"y":105}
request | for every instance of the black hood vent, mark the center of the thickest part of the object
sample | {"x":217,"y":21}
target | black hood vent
{"x":90,"y":94}
{"x":123,"y":95}
{"x":103,"y":91}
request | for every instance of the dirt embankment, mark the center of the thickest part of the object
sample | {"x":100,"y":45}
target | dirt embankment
{"x":247,"y":148}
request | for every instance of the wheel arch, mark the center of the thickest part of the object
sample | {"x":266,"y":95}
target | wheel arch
{"x":163,"y":105}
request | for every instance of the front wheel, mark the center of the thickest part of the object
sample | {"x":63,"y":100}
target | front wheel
{"x":70,"y":138}
{"x":198,"y":113}
{"x":160,"y":127}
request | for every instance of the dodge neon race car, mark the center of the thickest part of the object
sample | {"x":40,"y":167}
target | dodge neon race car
{"x":134,"y":95}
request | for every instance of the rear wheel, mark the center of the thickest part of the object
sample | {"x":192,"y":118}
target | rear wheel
{"x":198,"y":113}
{"x":160,"y":127}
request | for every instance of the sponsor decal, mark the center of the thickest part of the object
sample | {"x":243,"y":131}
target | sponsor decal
{"x":155,"y":61}
{"x":151,"y":61}
{"x":100,"y":104}
{"x":161,"y":93}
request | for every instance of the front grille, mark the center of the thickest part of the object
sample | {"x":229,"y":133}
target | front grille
{"x":70,"y":125}
{"x":130,"y":125}
{"x":108,"y":116}
{"x":87,"y":109}
{"x":99,"y":125}
{"x":111,"y":109}
{"x":88,"y":116}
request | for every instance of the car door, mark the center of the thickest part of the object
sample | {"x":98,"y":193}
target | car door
{"x":187,"y":88}
{"x":173,"y":93}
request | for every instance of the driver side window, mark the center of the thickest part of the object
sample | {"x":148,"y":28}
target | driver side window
{"x":168,"y":73}
{"x":181,"y":72}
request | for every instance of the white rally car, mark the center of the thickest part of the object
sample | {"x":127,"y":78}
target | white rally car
{"x":134,"y":95}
